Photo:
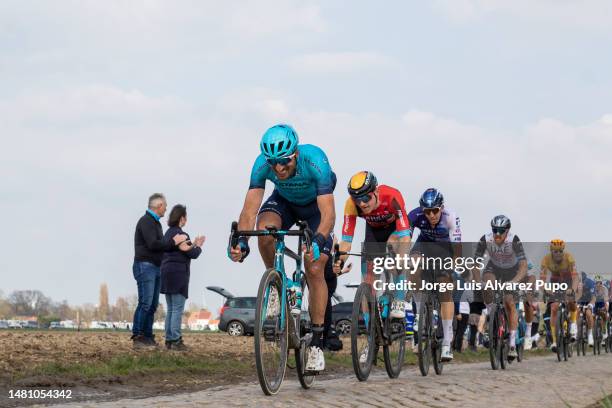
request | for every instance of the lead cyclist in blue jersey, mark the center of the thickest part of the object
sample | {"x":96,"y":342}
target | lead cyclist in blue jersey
{"x":304,"y":185}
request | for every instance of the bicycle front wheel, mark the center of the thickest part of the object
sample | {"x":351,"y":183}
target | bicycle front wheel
{"x":559,"y":334}
{"x":425,"y":335}
{"x":363,"y":348}
{"x":495,"y":340}
{"x":271,"y":333}
{"x":394,"y":348}
{"x":437,"y":336}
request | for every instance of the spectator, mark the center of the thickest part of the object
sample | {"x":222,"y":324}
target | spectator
{"x":175,"y":276}
{"x":149,"y":246}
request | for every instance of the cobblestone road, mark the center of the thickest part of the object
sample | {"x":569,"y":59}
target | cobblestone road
{"x":537,"y":382}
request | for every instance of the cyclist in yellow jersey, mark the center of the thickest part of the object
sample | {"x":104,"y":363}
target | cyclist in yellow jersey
{"x":561,"y":267}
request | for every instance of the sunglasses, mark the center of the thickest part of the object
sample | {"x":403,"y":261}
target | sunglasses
{"x":499,"y":231}
{"x":431,"y":211}
{"x":364,"y":198}
{"x":557,"y":251}
{"x":283,"y":161}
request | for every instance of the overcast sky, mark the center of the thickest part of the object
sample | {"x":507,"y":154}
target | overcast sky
{"x":506,"y":106}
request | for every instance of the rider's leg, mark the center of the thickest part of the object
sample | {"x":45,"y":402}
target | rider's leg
{"x":510,"y":307}
{"x":529,"y":310}
{"x":573,"y":307}
{"x":317,"y":288}
{"x":487,"y":294}
{"x":266,"y":244}
{"x":553,"y":321}
{"x":447,"y":310}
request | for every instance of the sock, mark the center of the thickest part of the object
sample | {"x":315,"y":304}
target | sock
{"x":512,"y":338}
{"x":528,"y":332}
{"x":317,"y":334}
{"x":553,"y":333}
{"x":447,"y":326}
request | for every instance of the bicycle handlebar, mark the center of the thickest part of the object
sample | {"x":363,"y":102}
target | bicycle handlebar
{"x":303,"y":232}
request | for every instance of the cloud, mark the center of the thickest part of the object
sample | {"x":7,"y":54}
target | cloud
{"x":338,"y":62}
{"x":595,"y":14}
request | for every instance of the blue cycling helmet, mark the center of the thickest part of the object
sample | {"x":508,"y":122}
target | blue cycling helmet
{"x":279,"y":141}
{"x":431,"y":198}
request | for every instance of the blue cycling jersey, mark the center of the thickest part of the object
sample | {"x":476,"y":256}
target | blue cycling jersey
{"x":588,"y":289}
{"x":447,"y":230}
{"x":313,"y":176}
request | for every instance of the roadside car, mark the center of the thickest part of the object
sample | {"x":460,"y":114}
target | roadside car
{"x":237,"y":316}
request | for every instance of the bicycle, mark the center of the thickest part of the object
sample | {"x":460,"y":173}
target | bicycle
{"x":609,"y":331}
{"x":597,"y":334}
{"x":581,"y":335}
{"x":562,"y":332}
{"x":372,"y":325}
{"x":278,"y":323}
{"x":499,"y":333}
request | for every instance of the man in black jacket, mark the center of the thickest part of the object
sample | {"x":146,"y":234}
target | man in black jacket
{"x":149,"y":246}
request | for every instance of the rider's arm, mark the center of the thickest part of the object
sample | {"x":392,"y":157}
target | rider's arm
{"x":402,"y":223}
{"x":480,"y":251}
{"x":328,"y":214}
{"x":575,"y":276}
{"x":248,"y":215}
{"x":454,"y":230}
{"x":517,"y":246}
{"x":348,"y":227}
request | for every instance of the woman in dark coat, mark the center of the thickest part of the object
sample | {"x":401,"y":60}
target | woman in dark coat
{"x":175,"y":275}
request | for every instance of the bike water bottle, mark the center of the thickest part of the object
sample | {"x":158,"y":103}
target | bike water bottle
{"x":409,"y":320}
{"x":296,"y":298}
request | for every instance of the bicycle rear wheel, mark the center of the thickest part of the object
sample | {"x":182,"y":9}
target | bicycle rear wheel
{"x":394,"y":350}
{"x":495,"y":341}
{"x":271,"y":333}
{"x":597,"y":336}
{"x":425,"y":335}
{"x":580,"y":335}
{"x":363,"y":331}
{"x":520,"y":343}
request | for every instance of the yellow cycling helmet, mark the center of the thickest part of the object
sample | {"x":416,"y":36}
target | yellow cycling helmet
{"x":557,"y":245}
{"x":362,"y":183}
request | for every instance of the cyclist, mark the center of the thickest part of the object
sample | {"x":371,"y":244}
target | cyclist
{"x":587,"y":300}
{"x":561,"y":266}
{"x":440,"y":237}
{"x":601,"y":304}
{"x":304,"y":184}
{"x":507,"y":263}
{"x":383,"y":209}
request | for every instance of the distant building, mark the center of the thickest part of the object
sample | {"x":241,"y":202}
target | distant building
{"x":199,"y":320}
{"x":213,"y":325}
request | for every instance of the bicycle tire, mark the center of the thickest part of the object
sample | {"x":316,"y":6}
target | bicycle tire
{"x":424,"y":340}
{"x":394,"y":359}
{"x":436,"y":344}
{"x":360,"y":322}
{"x":267,"y":328}
{"x":559,"y":335}
{"x":503,"y":353}
{"x":494,"y":341}
{"x":306,"y":379}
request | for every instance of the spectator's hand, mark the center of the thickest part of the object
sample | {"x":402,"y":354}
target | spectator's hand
{"x":459,"y":317}
{"x":185,"y":246}
{"x":178,"y":238}
{"x":199,"y":241}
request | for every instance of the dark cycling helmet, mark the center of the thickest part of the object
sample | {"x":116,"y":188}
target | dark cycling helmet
{"x":500,"y":222}
{"x":362,"y":183}
{"x":279,"y":141}
{"x":431,"y":198}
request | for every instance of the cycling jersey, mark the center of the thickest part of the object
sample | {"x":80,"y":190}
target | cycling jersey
{"x":601,"y":294}
{"x":447,"y":230}
{"x":588,"y":289}
{"x":390,"y":214}
{"x":504,"y":256}
{"x":562,"y":271}
{"x":313,"y":176}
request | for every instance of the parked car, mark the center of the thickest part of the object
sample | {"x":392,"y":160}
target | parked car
{"x":30,"y":325}
{"x":237,"y":316}
{"x":4,"y":324}
{"x":55,"y":325}
{"x":341,"y":317}
{"x":14,"y":324}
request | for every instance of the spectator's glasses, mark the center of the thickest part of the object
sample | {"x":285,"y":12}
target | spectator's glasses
{"x":363,"y":198}
{"x":283,"y":161}
{"x":499,"y":230}
{"x":431,"y":211}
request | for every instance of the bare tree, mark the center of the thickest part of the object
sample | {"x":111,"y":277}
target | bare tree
{"x":121,"y":310}
{"x":29,"y":303}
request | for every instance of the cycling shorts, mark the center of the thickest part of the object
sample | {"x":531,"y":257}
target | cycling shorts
{"x":501,"y":274}
{"x":599,"y":306}
{"x":291,"y":213}
{"x":433,"y":251}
